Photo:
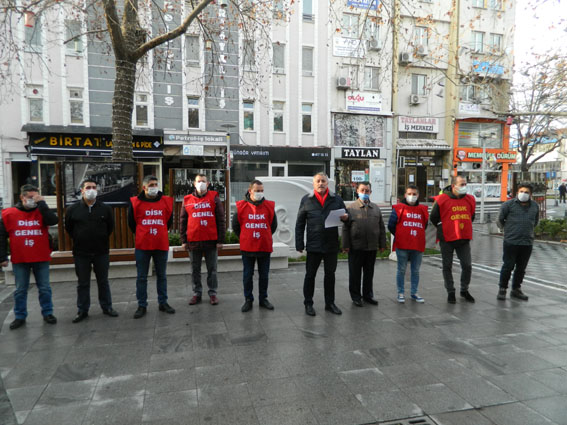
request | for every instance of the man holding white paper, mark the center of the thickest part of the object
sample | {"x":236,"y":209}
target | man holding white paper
{"x":322,"y":241}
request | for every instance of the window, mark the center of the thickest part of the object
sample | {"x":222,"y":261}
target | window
{"x":477,"y":41}
{"x":371,"y":29}
{"x":278,"y":115}
{"x":193,"y":112}
{"x":351,"y":72}
{"x":279,"y":58}
{"x":248,"y":55}
{"x":495,"y":43}
{"x":418,"y":82}
{"x":307,"y":60}
{"x":473,"y":134}
{"x":350,"y":25}
{"x":35,"y":103}
{"x":495,"y":4}
{"x":73,"y":38}
{"x":421,"y":36}
{"x":279,"y":9}
{"x":478,"y":3}
{"x":34,"y":36}
{"x":307,"y":10}
{"x":371,"y":78}
{"x":248,"y":107}
{"x":467,"y":93}
{"x":192,"y":50}
{"x":141,"y":110}
{"x":475,"y":93}
{"x":76,"y":105}
{"x":306,"y":111}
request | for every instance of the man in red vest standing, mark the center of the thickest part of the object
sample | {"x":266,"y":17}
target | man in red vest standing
{"x":254,"y":222}
{"x":202,"y":227}
{"x":26,"y":225}
{"x":407,"y":223}
{"x":453,"y":214}
{"x":150,"y":215}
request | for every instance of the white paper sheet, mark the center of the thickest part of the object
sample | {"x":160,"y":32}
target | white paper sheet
{"x":334,"y":218}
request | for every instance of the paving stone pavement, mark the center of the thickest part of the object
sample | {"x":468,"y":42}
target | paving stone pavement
{"x":485,"y":363}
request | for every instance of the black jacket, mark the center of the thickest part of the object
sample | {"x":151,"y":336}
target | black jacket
{"x":89,"y":227}
{"x":219,"y":219}
{"x":435,"y":214}
{"x":49,"y":219}
{"x":142,"y":197}
{"x":236,"y":227}
{"x":313,"y":215}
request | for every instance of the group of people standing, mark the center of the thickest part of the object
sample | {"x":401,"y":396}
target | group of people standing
{"x":90,"y":222}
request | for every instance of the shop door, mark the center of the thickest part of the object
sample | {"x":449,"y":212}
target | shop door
{"x":278,"y":170}
{"x":421,"y":183}
{"x":411,"y":176}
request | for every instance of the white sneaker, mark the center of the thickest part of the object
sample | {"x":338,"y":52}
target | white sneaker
{"x":401,"y":298}
{"x":417,"y":298}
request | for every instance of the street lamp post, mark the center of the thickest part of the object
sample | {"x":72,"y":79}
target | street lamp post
{"x":482,"y":177}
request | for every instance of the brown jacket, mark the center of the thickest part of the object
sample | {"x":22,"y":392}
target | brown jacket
{"x":365,"y":229}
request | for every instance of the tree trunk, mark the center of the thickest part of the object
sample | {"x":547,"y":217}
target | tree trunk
{"x":122,"y":106}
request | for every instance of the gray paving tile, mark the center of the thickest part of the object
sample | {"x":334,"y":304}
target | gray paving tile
{"x":166,"y":406}
{"x":555,"y":355}
{"x":479,"y":392}
{"x":223,"y":416}
{"x":228,"y":396}
{"x":286,"y":414}
{"x":66,"y":393}
{"x":171,"y":381}
{"x":111,"y":387}
{"x":436,"y":398}
{"x":465,"y":417}
{"x":123,"y":411}
{"x":219,"y":375}
{"x":342,"y":410}
{"x":270,"y":391}
{"x":522,"y":386}
{"x":366,"y":380}
{"x":514,"y":414}
{"x":409,"y":375}
{"x":24,"y":398}
{"x":67,"y":414}
{"x":172,"y":361}
{"x":67,"y":372}
{"x":553,"y":378}
{"x":554,"y":408}
{"x":389,"y":405}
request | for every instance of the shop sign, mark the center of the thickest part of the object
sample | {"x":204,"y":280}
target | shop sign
{"x":469,"y":108}
{"x":418,"y":124}
{"x":194,"y":138}
{"x":193,"y":150}
{"x":426,"y":161}
{"x":366,"y":102}
{"x":250,"y":153}
{"x":363,"y":4}
{"x":485,"y":67}
{"x":89,"y":144}
{"x":358,"y":176}
{"x":492,"y":155}
{"x":348,"y":47}
{"x":372,"y":153}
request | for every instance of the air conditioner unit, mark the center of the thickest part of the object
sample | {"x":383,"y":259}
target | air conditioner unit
{"x":374,"y":45}
{"x":422,"y":50}
{"x":406,"y":57}
{"x":414,"y":99}
{"x":343,"y":83}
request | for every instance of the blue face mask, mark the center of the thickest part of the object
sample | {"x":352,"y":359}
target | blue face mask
{"x":364,"y":196}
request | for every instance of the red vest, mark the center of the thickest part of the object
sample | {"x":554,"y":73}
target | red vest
{"x":29,"y":237}
{"x":255,"y":226}
{"x":456,"y":216}
{"x":201,"y":219}
{"x":151,"y":223}
{"x":410,"y":229}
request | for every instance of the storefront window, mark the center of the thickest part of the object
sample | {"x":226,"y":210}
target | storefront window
{"x":305,"y":169}
{"x":47,"y":179}
{"x":473,"y":134}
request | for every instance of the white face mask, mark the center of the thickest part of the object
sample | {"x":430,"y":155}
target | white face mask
{"x":201,"y":187}
{"x":30,"y":203}
{"x":462,"y":190}
{"x":411,"y":199}
{"x":153,"y":191}
{"x":90,"y":194}
{"x":523,"y":197}
{"x":258,"y":196}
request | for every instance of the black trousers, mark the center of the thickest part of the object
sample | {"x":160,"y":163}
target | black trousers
{"x":361,"y":264}
{"x":515,"y":257}
{"x":99,"y":263}
{"x":463,"y":249}
{"x":311,"y":265}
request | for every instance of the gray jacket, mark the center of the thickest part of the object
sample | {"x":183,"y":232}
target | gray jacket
{"x":365,"y":229}
{"x":518,"y":221}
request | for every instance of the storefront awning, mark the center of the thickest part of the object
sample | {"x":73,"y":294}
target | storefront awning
{"x":422,"y":144}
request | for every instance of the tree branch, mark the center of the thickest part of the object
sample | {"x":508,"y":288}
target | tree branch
{"x":113,"y":23}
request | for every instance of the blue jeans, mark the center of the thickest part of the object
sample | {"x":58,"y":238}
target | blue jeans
{"x":248,"y":274}
{"x":211,"y":256}
{"x":22,"y":275}
{"x":414,"y":257}
{"x":143,"y":266}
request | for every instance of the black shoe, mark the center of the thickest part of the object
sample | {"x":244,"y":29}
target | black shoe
{"x":501,"y":294}
{"x":18,"y":323}
{"x":266,"y":304}
{"x":110,"y":312}
{"x":333,"y":309}
{"x":467,"y":296}
{"x":451,"y":298}
{"x":371,"y":301}
{"x":140,"y":312}
{"x":167,"y":308}
{"x":357,"y":303}
{"x":81,"y":315}
{"x":518,"y":294}
{"x":309,"y":310}
{"x":50,"y":318}
{"x":247,"y":306}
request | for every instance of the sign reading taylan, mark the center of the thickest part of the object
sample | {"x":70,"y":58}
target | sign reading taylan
{"x":418,"y":124}
{"x":360,"y":153}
